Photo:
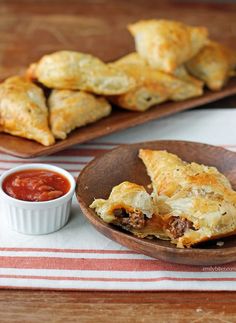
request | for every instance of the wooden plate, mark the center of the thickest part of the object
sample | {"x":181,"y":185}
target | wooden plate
{"x":122,"y":163}
{"x":119,"y":119}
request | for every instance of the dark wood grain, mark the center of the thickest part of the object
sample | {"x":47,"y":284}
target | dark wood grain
{"x":93,"y":183}
{"x":29,"y":29}
{"x":86,"y":307}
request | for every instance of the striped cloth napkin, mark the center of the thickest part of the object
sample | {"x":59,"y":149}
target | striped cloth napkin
{"x":78,"y":257}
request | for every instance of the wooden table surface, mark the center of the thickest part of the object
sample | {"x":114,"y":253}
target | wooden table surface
{"x":31,"y":28}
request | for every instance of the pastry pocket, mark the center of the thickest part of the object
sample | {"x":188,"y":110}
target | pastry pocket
{"x":153,"y":86}
{"x":194,"y":219}
{"x":214,"y":64}
{"x":182,"y":85}
{"x":23,"y":111}
{"x":167,"y":44}
{"x":73,"y":109}
{"x":71,"y":70}
{"x":196,"y":202}
{"x":164,"y":169}
{"x":190,"y":87}
{"x":130,"y":207}
{"x":170,"y":174}
{"x":148,"y":90}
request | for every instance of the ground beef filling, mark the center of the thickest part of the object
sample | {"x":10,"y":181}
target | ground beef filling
{"x":134,"y":220}
{"x":177,"y":226}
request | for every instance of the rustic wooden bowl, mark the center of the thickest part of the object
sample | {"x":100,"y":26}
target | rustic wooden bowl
{"x":121,"y":164}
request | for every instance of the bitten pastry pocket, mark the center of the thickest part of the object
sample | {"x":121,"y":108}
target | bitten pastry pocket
{"x":73,"y":109}
{"x":196,"y":202}
{"x":130,"y":207}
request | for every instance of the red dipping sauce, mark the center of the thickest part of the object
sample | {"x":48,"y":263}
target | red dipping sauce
{"x":36,"y":185}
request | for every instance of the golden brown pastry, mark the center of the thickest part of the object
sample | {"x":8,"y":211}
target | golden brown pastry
{"x":154,"y":86}
{"x":70,"y":70}
{"x":130,"y":207}
{"x":148,"y":90}
{"x":23,"y":110}
{"x":196,"y":202}
{"x":167,"y":44}
{"x":182,"y":73}
{"x":214,"y":64}
{"x":73,"y":109}
{"x":187,"y":86}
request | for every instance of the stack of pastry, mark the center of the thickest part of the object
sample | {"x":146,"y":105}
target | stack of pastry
{"x":172,"y":61}
{"x":190,"y":203}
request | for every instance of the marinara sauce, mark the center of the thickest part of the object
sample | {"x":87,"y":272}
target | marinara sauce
{"x":36,"y":185}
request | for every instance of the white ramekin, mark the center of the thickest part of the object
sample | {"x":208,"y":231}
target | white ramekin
{"x":36,"y":217}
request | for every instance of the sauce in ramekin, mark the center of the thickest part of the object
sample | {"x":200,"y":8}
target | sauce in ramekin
{"x":36,"y":185}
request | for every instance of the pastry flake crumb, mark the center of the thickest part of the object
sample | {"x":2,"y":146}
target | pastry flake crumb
{"x":220,"y":243}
